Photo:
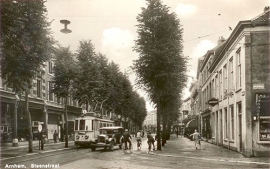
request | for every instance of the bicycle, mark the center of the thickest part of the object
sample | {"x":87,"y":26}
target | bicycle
{"x":126,"y":150}
{"x":139,"y":144}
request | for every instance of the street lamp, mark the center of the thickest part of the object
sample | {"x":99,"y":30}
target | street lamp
{"x":65,"y":30}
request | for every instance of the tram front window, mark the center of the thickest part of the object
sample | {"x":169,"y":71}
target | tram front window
{"x":82,"y":125}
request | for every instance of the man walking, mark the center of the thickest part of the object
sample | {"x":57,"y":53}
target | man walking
{"x":55,"y":136}
{"x":196,"y":138}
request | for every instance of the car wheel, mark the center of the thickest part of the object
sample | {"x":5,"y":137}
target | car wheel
{"x":111,"y":146}
{"x":93,"y":148}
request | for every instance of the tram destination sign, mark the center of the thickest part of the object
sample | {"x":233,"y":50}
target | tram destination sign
{"x":213,"y":102}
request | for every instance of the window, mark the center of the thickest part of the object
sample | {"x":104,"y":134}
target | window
{"x":239,"y":73}
{"x":216,"y":81}
{"x":231,"y":83}
{"x":213,"y":88}
{"x":50,"y":93}
{"x":76,"y":124}
{"x":239,"y":108}
{"x":265,"y":129}
{"x":225,"y":78}
{"x":39,"y":88}
{"x":82,"y":125}
{"x":262,"y":111}
{"x":232,"y":122}
{"x":220,"y":85}
{"x":50,"y":64}
{"x":225,"y":123}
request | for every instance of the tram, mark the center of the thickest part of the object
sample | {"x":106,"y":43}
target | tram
{"x":86,"y":127}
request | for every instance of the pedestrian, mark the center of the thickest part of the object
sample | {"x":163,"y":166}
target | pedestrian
{"x":55,"y":136}
{"x":150,"y":141}
{"x":196,"y":138}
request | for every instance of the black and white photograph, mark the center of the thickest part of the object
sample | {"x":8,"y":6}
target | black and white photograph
{"x":135,"y":84}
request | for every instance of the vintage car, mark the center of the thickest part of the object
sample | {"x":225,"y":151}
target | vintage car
{"x":108,"y":138}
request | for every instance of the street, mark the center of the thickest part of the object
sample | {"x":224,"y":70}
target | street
{"x":177,"y":153}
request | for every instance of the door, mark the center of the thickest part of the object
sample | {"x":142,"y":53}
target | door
{"x":221,"y":128}
{"x":51,"y":129}
{"x":240,"y":133}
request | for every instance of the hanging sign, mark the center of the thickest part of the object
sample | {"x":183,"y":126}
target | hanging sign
{"x":213,"y":101}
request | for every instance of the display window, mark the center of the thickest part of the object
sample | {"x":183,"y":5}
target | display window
{"x":263,"y":113}
{"x":265,"y":129}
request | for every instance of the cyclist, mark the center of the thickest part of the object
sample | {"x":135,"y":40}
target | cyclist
{"x":126,"y":138}
{"x":139,"y":138}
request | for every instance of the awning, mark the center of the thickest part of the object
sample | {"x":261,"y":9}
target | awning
{"x":192,"y":124}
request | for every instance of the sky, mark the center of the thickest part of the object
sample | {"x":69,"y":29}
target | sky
{"x":111,"y":26}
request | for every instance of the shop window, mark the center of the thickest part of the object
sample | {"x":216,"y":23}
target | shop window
{"x":265,"y":129}
{"x":263,"y":109}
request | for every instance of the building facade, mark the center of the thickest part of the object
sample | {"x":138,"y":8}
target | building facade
{"x":44,"y":107}
{"x":235,"y":89}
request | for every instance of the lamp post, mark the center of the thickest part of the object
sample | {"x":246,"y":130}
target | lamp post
{"x":45,"y":119}
{"x":66,"y":31}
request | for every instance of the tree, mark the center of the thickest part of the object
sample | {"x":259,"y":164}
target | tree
{"x":161,"y":67}
{"x":25,"y":45}
{"x":64,"y":75}
{"x":88,"y":76}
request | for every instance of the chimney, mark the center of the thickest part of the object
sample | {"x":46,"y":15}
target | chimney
{"x":220,"y":40}
{"x":266,"y":9}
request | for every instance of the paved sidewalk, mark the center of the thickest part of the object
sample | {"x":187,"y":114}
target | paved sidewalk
{"x":183,"y":147}
{"x":8,"y":151}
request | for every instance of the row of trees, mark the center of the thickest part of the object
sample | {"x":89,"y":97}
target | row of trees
{"x":27,"y":43}
{"x":161,"y":67}
{"x":96,"y":83}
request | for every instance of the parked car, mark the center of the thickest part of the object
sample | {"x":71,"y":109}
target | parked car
{"x":108,"y":138}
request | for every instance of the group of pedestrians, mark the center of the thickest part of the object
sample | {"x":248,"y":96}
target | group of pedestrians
{"x":151,"y":141}
{"x":126,"y":138}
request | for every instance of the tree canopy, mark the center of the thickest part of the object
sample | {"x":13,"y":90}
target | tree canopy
{"x":26,"y":43}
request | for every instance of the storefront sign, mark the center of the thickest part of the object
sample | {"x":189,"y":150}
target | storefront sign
{"x":258,"y":86}
{"x":213,"y":102}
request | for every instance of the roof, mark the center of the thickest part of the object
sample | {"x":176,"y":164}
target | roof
{"x":261,"y":20}
{"x":111,"y":128}
{"x":264,"y":17}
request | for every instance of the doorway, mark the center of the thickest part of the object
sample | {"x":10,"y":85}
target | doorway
{"x":240,"y":133}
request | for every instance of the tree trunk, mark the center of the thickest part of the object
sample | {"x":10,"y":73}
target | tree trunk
{"x":168,"y":133}
{"x":30,"y":132}
{"x":158,"y":125}
{"x":164,"y":123}
{"x":66,"y":124}
{"x":15,"y":125}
